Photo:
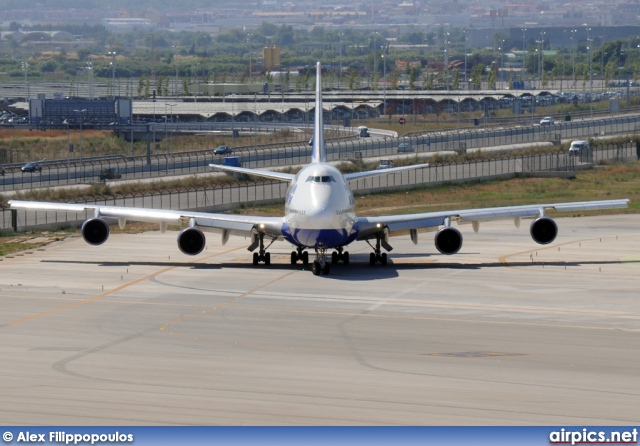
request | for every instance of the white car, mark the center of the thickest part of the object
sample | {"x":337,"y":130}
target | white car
{"x":547,"y":120}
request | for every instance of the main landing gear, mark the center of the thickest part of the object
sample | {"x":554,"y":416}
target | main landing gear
{"x":262,"y":255}
{"x":377,"y":256}
{"x":339,"y":256}
{"x":299,"y":254}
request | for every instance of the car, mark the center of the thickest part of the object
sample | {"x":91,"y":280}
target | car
{"x":405,"y":147}
{"x":385,"y":164}
{"x":110,"y":173}
{"x":32,"y":166}
{"x":578,"y":147}
{"x":2,"y":170}
{"x":547,"y":120}
{"x":223,"y":150}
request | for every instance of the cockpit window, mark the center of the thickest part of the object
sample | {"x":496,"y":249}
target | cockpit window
{"x":320,"y":179}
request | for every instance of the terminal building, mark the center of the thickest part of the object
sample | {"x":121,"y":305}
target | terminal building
{"x":76,"y":112}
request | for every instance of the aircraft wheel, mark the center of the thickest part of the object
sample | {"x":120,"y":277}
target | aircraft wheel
{"x":383,"y":258}
{"x":345,"y":257}
{"x":256,"y":258}
{"x":316,"y":269}
{"x":294,"y":257}
{"x":372,"y":259}
{"x":267,"y":258}
{"x":334,"y":258}
{"x":305,"y":258}
{"x":326,"y":268}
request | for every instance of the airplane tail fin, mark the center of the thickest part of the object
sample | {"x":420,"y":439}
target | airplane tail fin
{"x":318,"y":152}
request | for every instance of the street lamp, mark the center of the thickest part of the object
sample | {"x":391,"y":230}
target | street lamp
{"x":113,"y":73}
{"x":523,"y":69}
{"x":89,"y":67}
{"x":80,"y":140}
{"x":573,"y":55}
{"x":384,"y":85}
{"x":165,"y":124}
{"x":249,"y":42}
{"x":25,"y":67}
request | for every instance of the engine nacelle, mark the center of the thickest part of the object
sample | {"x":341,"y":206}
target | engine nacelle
{"x":448,"y":240}
{"x":543,"y":230}
{"x":95,"y":231}
{"x":191,"y":241}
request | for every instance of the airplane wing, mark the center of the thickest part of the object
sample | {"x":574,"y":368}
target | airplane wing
{"x":256,"y":172}
{"x":232,"y":224}
{"x":369,"y":226}
{"x":371,"y":173}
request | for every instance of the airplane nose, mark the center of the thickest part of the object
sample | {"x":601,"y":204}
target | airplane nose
{"x":322,"y":217}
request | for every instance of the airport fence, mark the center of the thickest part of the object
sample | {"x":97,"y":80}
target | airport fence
{"x":224,"y":197}
{"x":161,"y":162}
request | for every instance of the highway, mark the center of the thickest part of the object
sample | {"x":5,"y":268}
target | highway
{"x":62,"y":172}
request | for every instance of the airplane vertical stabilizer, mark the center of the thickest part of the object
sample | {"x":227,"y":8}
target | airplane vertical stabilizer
{"x":318,"y":153}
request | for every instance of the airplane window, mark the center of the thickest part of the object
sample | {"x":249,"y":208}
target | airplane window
{"x":327,"y":179}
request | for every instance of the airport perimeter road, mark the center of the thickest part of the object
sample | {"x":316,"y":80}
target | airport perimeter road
{"x":506,"y":332}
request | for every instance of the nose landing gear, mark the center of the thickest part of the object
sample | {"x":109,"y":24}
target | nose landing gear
{"x":320,"y":264}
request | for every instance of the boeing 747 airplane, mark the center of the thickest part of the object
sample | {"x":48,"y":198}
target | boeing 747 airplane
{"x":319,"y":215}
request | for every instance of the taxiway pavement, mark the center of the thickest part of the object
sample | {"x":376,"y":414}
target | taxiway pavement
{"x":506,"y":332}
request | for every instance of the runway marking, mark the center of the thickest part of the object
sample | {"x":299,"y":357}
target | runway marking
{"x":115,"y":290}
{"x":473,"y":354}
{"x":219,"y":307}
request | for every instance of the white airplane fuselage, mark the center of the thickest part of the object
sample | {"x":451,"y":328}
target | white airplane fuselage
{"x":319,"y":209}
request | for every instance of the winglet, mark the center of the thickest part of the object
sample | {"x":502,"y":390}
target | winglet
{"x":318,"y":153}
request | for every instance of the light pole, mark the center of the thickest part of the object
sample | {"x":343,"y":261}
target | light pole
{"x":523,"y":61}
{"x":25,"y":68}
{"x":89,"y":67}
{"x":465,"y":59}
{"x":446,"y":59}
{"x":542,"y":33}
{"x":113,"y":73}
{"x":573,"y":55}
{"x":590,"y":72}
{"x":80,"y":140}
{"x":249,"y":42}
{"x":165,"y":125}
{"x":384,"y":85}
{"x":340,"y":74}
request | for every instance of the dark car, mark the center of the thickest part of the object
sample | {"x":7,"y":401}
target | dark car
{"x":223,"y":150}
{"x":110,"y":173}
{"x":1,"y":170}
{"x":32,"y":167}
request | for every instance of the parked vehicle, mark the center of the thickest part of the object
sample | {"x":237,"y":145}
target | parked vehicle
{"x":363,"y":131}
{"x":223,"y":150}
{"x":32,"y":166}
{"x":405,"y":147}
{"x":385,"y":164}
{"x":110,"y":173}
{"x":578,"y":147}
{"x":547,"y":120}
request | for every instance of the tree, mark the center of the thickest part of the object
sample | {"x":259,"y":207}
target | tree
{"x":456,"y":80}
{"x":476,"y":74}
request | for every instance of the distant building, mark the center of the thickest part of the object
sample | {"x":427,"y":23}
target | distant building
{"x":121,"y":25}
{"x":271,"y":58}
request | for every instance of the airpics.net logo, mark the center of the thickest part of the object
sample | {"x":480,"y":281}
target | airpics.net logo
{"x":586,"y":436}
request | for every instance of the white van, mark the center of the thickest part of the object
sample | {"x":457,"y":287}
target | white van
{"x":578,"y":147}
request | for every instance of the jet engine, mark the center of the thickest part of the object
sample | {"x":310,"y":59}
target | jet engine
{"x":543,"y":230}
{"x":191,"y":241}
{"x":448,"y":240}
{"x":95,"y":231}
